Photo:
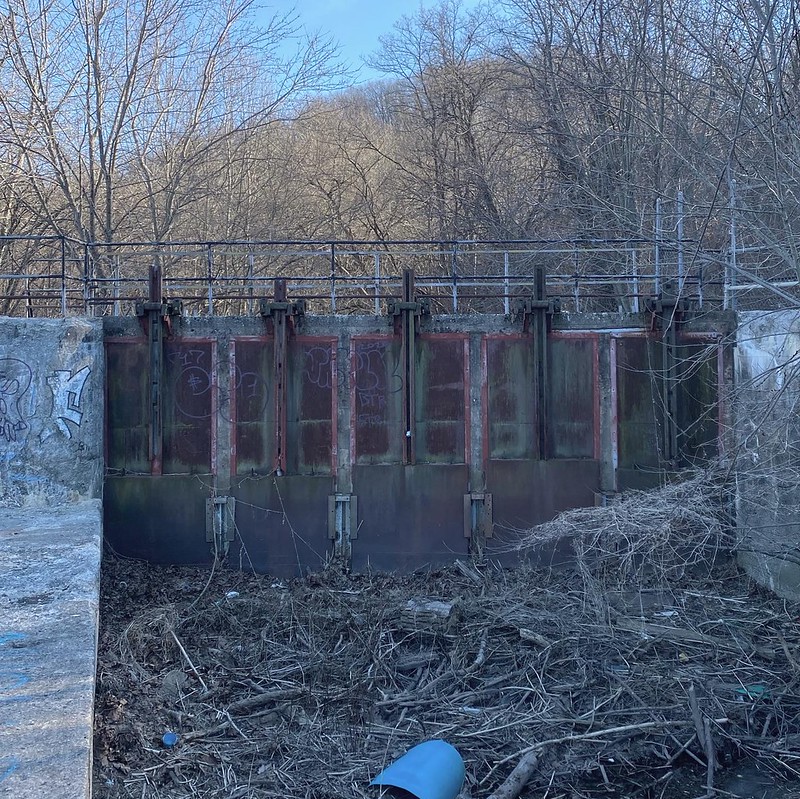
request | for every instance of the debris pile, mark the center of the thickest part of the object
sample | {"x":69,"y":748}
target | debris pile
{"x":547,"y":686}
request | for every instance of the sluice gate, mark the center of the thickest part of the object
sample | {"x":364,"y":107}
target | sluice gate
{"x":283,"y":440}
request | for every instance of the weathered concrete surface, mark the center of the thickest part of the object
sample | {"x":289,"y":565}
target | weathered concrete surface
{"x":49,"y":586}
{"x":51,"y":410}
{"x":768,"y":448}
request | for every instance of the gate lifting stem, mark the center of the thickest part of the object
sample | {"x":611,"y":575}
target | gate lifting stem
{"x":668,"y":309}
{"x":285,"y":316}
{"x":537,"y":313}
{"x":406,"y":314}
{"x":156,"y":314}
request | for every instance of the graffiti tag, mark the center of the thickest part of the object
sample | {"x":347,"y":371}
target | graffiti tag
{"x":15,"y":380}
{"x":67,"y":390}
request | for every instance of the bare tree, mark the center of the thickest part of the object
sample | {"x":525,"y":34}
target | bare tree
{"x":104,"y":96}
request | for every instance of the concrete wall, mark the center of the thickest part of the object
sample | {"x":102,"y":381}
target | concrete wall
{"x":51,"y":410}
{"x":767,"y":402}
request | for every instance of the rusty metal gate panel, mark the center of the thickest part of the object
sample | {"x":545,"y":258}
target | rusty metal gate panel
{"x":376,"y":385}
{"x":190,"y":399}
{"x":639,"y":365}
{"x":281,"y":519}
{"x":127,"y":421}
{"x":410,"y":515}
{"x":574,"y":407}
{"x":311,"y":412}
{"x":251,"y":402}
{"x":442,"y":403}
{"x":509,"y":392}
{"x":527,"y":489}
{"x":159,"y":517}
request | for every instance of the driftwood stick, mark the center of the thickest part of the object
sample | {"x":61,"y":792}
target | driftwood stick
{"x":188,"y":660}
{"x":697,"y":719}
{"x":625,"y":728}
{"x":512,"y":787}
{"x":711,"y":755}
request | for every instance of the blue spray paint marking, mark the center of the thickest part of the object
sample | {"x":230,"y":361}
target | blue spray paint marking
{"x":7,"y":638}
{"x":8,"y":765}
{"x":11,"y":680}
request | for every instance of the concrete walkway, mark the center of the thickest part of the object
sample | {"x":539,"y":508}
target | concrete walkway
{"x":49,"y":595}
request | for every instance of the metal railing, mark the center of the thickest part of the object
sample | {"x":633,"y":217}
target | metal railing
{"x":58,"y":276}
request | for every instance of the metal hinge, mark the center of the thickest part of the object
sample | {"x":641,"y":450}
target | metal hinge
{"x":220,"y":522}
{"x":478,"y":515}
{"x":342,"y":517}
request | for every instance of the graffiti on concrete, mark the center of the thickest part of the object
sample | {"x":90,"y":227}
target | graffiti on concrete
{"x":67,"y":390}
{"x":15,"y":380}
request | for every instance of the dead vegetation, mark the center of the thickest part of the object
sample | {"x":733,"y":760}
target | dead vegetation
{"x":617,"y":677}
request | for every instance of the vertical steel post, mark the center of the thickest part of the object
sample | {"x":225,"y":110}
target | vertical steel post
{"x":541,"y":355}
{"x":210,"y":276}
{"x":280,"y":370}
{"x":333,"y":277}
{"x":408,"y":355}
{"x":669,"y":343}
{"x":250,"y":290}
{"x":635,"y":268}
{"x":506,"y":286}
{"x":377,"y":258}
{"x":680,"y":244}
{"x":155,"y":338}
{"x":115,"y":292}
{"x":657,"y":249}
{"x":729,"y":298}
{"x":63,"y":275}
{"x":454,"y":271}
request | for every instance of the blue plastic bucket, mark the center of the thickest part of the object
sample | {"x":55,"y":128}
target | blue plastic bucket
{"x":431,"y":770}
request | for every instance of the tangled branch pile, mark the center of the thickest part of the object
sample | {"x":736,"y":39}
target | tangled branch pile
{"x":643,"y":537}
{"x":308,"y":689}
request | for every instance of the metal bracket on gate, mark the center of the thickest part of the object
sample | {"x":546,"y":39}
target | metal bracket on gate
{"x":342,"y":517}
{"x":525,"y":307}
{"x":421,"y":306}
{"x":478,"y":517}
{"x":220,"y":522}
{"x":295,"y":309}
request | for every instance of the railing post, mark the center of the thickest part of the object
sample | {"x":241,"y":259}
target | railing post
{"x":63,"y":241}
{"x":729,"y":295}
{"x":377,"y":257}
{"x":454,"y":268}
{"x":657,"y":249}
{"x":210,"y":275}
{"x":506,"y":286}
{"x":680,"y":244}
{"x":333,"y":277}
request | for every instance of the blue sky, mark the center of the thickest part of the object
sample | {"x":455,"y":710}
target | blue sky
{"x":355,"y":24}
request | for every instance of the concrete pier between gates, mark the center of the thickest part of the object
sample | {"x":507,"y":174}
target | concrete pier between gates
{"x":49,"y":597}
